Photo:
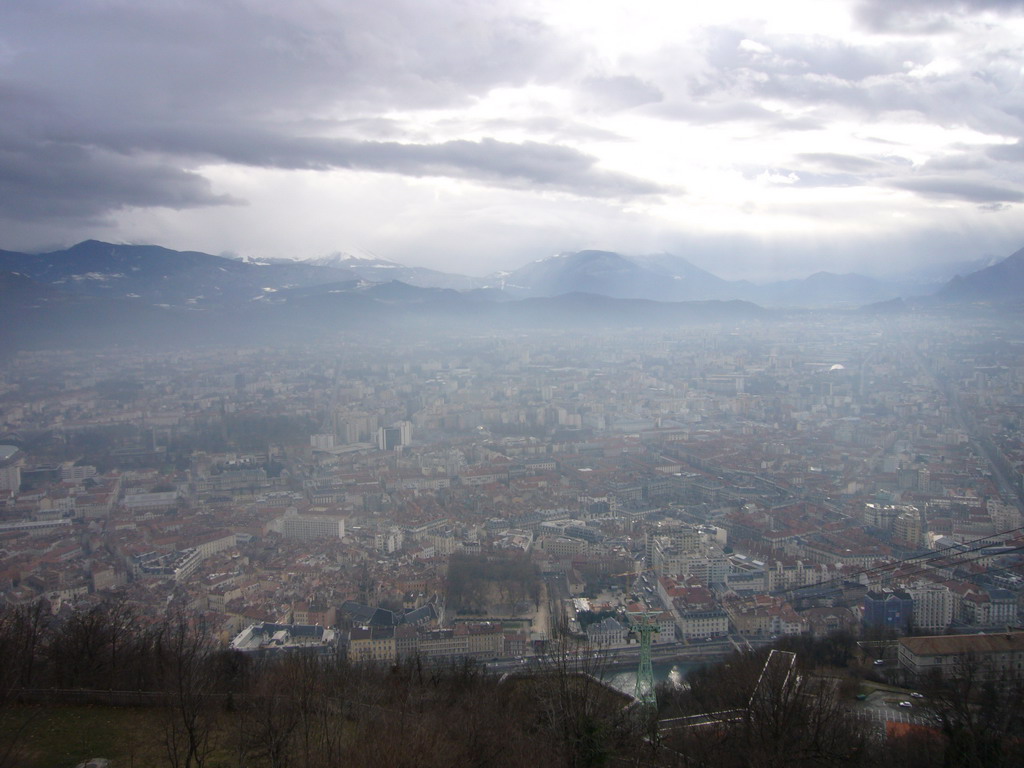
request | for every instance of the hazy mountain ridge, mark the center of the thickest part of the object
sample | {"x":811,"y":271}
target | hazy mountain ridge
{"x":614,"y":275}
{"x":998,"y":286}
{"x":368,"y":266}
{"x":130,"y":292}
{"x":1000,"y":283}
{"x":158,"y":275}
{"x":666,"y":277}
{"x":38,"y":315}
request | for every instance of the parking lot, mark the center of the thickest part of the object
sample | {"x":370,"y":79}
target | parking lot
{"x":884,"y":706}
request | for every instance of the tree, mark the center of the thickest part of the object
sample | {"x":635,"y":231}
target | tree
{"x":582,"y":716}
{"x":767,"y":711}
{"x":21,"y":634}
{"x":979,"y":712}
{"x":185,"y":652}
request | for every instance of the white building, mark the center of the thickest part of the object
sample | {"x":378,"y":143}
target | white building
{"x":389,"y":541}
{"x":997,"y":657}
{"x":143,"y":501}
{"x":322,"y":442}
{"x":608,"y":633}
{"x":933,"y":606}
{"x":310,"y":527}
{"x":695,"y":625}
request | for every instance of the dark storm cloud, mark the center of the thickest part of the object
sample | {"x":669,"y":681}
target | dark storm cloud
{"x":951,"y":188}
{"x":39,"y":180}
{"x":240,"y":59}
{"x":118,"y":103}
{"x":532,"y":164}
{"x":529,"y":164}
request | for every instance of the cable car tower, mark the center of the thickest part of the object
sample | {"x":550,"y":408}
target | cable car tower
{"x":642,"y":627}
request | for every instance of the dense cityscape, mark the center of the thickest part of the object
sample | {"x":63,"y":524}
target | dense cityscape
{"x":797,"y":478}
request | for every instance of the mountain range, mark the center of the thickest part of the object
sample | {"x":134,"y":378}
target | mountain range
{"x":665,"y":277}
{"x":1001,"y":283}
{"x":138,"y":292}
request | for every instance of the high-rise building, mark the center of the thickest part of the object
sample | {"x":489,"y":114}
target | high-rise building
{"x":10,"y":477}
{"x":397,"y":435}
{"x":907,"y":528}
{"x":933,"y":607}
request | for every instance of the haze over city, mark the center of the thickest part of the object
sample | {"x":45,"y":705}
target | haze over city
{"x":762,"y":141}
{"x":441,"y":382}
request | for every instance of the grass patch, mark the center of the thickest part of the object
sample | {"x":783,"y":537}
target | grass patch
{"x":55,"y":737}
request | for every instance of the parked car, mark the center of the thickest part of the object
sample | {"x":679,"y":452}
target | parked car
{"x":906,"y":704}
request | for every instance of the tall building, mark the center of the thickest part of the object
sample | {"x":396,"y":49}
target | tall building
{"x":389,"y":438}
{"x":10,"y":468}
{"x":907,"y":528}
{"x":881,"y":515}
{"x":389,"y":541}
{"x":10,"y":477}
{"x":1005,"y":517}
{"x":397,"y":435}
{"x":933,"y":607}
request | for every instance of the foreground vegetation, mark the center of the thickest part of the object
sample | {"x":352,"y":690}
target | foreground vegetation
{"x":104,"y":683}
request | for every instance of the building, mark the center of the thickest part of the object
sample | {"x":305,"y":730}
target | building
{"x":395,"y":436}
{"x":372,"y":644}
{"x":267,"y":636}
{"x":695,"y":625}
{"x":933,"y":607}
{"x":389,"y":541}
{"x":10,"y":468}
{"x":71,"y":472}
{"x":608,"y":632}
{"x":322,"y":442}
{"x":484,"y":640}
{"x":907,"y":528}
{"x":998,"y":657}
{"x":310,"y":527}
{"x":141,"y":501}
{"x":891,"y":609}
{"x":212,"y":543}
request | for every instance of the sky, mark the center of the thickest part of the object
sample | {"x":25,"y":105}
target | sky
{"x":758,"y":140}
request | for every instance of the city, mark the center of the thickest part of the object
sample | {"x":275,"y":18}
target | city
{"x":800,"y":478}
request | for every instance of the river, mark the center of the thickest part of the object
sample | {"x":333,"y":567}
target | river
{"x":673,"y":671}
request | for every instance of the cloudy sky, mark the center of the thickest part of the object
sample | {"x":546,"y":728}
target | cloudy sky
{"x":755,"y":139}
